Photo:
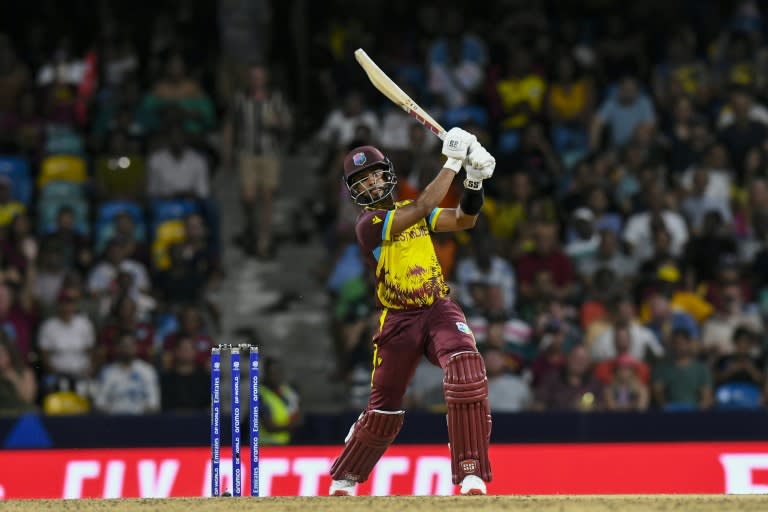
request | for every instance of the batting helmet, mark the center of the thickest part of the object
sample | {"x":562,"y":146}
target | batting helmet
{"x":362,"y":159}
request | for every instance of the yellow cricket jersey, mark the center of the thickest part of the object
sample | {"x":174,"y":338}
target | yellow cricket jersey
{"x":408,"y":274}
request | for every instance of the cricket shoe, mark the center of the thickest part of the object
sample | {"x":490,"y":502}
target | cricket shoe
{"x":342,"y":488}
{"x":472,"y":485}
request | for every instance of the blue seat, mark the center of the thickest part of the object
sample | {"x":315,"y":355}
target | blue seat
{"x":738,"y":395}
{"x":163,"y":210}
{"x":17,"y":169}
{"x":467,"y":114}
{"x":62,"y":191}
{"x":111,"y":209}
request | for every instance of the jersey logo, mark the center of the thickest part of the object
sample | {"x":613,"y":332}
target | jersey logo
{"x":462,"y":327}
{"x":376,"y":219}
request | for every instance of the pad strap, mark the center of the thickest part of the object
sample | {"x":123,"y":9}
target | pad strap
{"x":469,"y":417}
{"x":366,"y":442}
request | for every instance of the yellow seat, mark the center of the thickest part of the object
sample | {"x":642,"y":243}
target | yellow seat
{"x":168,"y":233}
{"x":61,"y":403}
{"x":62,"y":168}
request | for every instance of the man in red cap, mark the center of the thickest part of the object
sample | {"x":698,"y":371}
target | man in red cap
{"x":417,"y":318}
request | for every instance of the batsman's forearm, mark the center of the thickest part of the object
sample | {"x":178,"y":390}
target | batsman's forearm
{"x":434,"y":193}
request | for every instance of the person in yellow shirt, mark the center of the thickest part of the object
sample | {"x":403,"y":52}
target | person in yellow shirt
{"x":520,"y":96}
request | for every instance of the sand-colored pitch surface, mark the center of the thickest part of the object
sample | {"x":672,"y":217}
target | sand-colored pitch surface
{"x":406,"y":504}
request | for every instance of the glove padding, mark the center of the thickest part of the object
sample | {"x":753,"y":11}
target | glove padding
{"x":479,"y":164}
{"x":457,"y":142}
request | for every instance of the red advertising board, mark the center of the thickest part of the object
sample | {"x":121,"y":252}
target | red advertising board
{"x":405,"y":470}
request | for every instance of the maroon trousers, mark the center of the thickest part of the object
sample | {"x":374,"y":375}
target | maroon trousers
{"x":405,"y":336}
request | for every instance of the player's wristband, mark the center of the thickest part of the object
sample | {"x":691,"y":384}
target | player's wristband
{"x":453,"y":164}
{"x":471,"y":200}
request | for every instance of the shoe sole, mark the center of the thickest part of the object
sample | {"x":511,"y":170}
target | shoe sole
{"x":340,"y":493}
{"x":474,"y":492}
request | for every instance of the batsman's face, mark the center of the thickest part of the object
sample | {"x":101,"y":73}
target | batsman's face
{"x":373,"y":183}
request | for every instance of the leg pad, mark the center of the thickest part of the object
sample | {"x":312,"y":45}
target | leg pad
{"x":469,"y":417}
{"x":367,"y":441}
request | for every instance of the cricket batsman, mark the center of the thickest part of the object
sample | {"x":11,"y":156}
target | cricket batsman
{"x":417,"y":318}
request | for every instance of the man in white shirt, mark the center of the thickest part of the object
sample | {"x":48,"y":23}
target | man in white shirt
{"x":506,"y":392}
{"x":130,"y":385}
{"x":341,"y":125}
{"x":177,"y":170}
{"x":102,"y":277}
{"x":638,"y":233}
{"x":66,"y":340}
{"x":642,"y":340}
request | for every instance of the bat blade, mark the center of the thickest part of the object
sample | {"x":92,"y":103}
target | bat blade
{"x":396,"y":95}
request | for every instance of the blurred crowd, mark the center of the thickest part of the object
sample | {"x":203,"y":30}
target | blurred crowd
{"x":109,"y":236}
{"x":620,"y":259}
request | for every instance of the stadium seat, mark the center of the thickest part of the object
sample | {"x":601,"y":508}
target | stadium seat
{"x":163,"y":210}
{"x":738,"y":395}
{"x":17,"y":169}
{"x":62,"y":168}
{"x":61,"y":403}
{"x":62,"y":140}
{"x":62,"y":191}
{"x":120,"y":177}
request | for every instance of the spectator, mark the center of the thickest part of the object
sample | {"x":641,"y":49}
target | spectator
{"x":643,"y":343}
{"x":178,"y":95}
{"x":257,"y":132}
{"x":177,"y":170}
{"x":699,"y":203}
{"x":191,"y":325}
{"x":124,"y":228}
{"x":665,"y":319}
{"x":129,"y":385}
{"x":125,"y":319}
{"x":606,"y":370}
{"x":186,"y":385}
{"x":280,"y":412}
{"x":455,"y":63}
{"x":50,"y":275}
{"x":18,"y":387}
{"x":18,"y":317}
{"x":569,"y":105}
{"x":709,"y":248}
{"x":506,"y":392}
{"x":425,"y":391}
{"x":341,"y":125}
{"x":66,"y":341}
{"x":553,"y":353}
{"x":639,"y":230}
{"x":622,"y":113}
{"x":743,"y":365}
{"x":607,"y":255}
{"x":520,"y":95}
{"x":743,"y":133}
{"x":546,"y":257}
{"x":572,"y":389}
{"x":76,"y":246}
{"x":683,"y":382}
{"x":14,"y":76}
{"x":584,"y":241}
{"x":485,"y":267}
{"x":626,"y":392}
{"x":104,"y":282}
{"x":730,"y":313}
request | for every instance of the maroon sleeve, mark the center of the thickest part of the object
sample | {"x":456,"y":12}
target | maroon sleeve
{"x":370,"y":228}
